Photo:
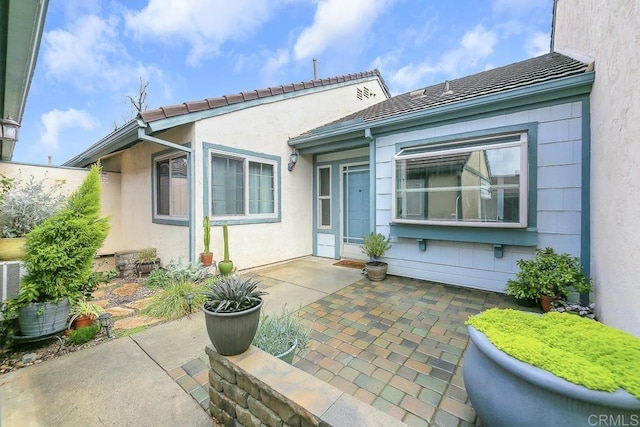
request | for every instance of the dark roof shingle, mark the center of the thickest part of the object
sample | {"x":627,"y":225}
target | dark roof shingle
{"x":535,"y":70}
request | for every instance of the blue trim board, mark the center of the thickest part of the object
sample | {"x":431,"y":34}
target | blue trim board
{"x":336,"y":176}
{"x":585,"y":226}
{"x":206,"y":146}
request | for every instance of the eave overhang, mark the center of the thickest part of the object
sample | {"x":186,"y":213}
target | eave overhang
{"x":326,"y":139}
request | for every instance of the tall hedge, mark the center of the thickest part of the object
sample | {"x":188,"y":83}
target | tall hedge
{"x":60,"y":251}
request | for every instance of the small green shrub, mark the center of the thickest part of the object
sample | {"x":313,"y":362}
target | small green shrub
{"x":84,"y":335}
{"x":375,"y":245}
{"x":169,"y":303}
{"x":230,"y":294}
{"x":277,"y":333}
{"x":548,"y":273}
{"x":158,"y":278}
{"x":87,"y":288}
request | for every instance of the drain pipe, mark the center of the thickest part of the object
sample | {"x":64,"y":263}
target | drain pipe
{"x":192,"y":212}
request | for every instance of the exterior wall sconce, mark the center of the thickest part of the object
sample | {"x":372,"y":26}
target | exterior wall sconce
{"x":9,"y":129}
{"x":422,"y":244}
{"x":294,"y":159}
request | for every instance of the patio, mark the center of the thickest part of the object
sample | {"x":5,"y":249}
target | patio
{"x":396,"y":345}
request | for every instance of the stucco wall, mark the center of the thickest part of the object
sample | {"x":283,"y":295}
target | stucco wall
{"x":265,"y":129}
{"x":71,"y":178}
{"x":559,"y":183}
{"x":608,"y":33}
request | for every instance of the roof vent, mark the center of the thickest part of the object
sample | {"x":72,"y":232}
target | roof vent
{"x":418,"y":93}
{"x":447,"y":89}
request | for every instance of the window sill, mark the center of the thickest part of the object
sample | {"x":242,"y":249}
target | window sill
{"x":243,"y":220}
{"x":491,"y":235}
{"x":171,"y":221}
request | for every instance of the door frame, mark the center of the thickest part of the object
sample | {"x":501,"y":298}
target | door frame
{"x":350,"y":250}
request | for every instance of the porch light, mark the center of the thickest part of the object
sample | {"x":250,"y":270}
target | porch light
{"x":294,"y":159}
{"x":9,"y":129}
{"x":105,"y":321}
{"x":189,"y":298}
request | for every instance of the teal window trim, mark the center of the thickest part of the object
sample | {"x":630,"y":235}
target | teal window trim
{"x":162,"y":219}
{"x":466,"y":233}
{"x":207,"y":150}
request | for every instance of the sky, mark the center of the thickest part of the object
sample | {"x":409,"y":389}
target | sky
{"x":94,"y":53}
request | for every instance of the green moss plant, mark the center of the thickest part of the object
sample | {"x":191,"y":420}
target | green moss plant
{"x":580,"y":350}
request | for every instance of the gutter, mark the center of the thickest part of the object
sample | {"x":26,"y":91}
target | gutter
{"x":142,"y":136}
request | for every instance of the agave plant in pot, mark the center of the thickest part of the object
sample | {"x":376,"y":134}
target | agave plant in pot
{"x":232,"y":312}
{"x":375,"y":245}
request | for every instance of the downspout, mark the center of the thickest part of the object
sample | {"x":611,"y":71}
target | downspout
{"x":192,"y":212}
{"x":372,"y":178}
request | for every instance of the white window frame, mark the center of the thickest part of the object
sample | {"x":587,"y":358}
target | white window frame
{"x":518,"y":139}
{"x":246,"y":159}
{"x":321,"y":198}
{"x":171,"y":215}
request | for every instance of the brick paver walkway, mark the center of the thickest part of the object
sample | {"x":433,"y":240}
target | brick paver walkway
{"x":398,"y":345}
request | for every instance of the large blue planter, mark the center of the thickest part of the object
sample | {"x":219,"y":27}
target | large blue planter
{"x":507,"y":392}
{"x":40,"y":319}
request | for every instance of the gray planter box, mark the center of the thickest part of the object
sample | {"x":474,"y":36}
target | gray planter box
{"x":507,"y":392}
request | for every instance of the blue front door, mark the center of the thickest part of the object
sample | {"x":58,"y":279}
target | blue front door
{"x":356,"y":205}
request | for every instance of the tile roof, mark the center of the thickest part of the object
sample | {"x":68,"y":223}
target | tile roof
{"x":222,"y":101}
{"x":535,"y":70}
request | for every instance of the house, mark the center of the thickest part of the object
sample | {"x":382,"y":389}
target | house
{"x":227,"y":158}
{"x":608,"y":34}
{"x":466,"y":176}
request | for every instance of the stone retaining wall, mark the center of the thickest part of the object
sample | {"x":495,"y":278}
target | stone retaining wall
{"x":257,"y":389}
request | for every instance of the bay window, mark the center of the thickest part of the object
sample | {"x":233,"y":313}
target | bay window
{"x":477,"y":182}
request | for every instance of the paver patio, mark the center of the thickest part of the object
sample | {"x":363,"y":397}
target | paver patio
{"x":397,"y":345}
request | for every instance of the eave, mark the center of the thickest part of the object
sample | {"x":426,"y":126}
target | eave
{"x":325,"y":139}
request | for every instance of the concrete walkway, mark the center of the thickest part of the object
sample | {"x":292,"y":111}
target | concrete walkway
{"x":137,"y":380}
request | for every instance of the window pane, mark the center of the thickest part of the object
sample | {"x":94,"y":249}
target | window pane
{"x":179,"y":188}
{"x":227,"y":186}
{"x":482,"y":185}
{"x":261,"y":188}
{"x":325,"y":213}
{"x":325,"y":182}
{"x":162,"y":188}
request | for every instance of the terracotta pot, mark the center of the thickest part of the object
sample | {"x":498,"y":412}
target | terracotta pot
{"x":82,"y":321}
{"x":206,"y":259}
{"x":545,"y":302}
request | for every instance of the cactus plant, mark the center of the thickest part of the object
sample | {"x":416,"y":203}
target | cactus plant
{"x":206,"y":257}
{"x":225,"y":266}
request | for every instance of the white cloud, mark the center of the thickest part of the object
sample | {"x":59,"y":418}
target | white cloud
{"x":56,"y":121}
{"x":274,"y":64}
{"x":339,"y":23}
{"x":475,"y":46}
{"x":521,"y":7}
{"x":90,"y":54}
{"x":203,"y":24}
{"x":538,"y":44}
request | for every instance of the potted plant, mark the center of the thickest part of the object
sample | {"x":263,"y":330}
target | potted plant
{"x":225,"y":266}
{"x":549,"y":276}
{"x":232,"y":312}
{"x":147,"y":261}
{"x":206,"y":257}
{"x":84,"y":313}
{"x":553,"y":369}
{"x":24,"y":205}
{"x":59,"y":259}
{"x":375,"y":246}
{"x":282,"y":335}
